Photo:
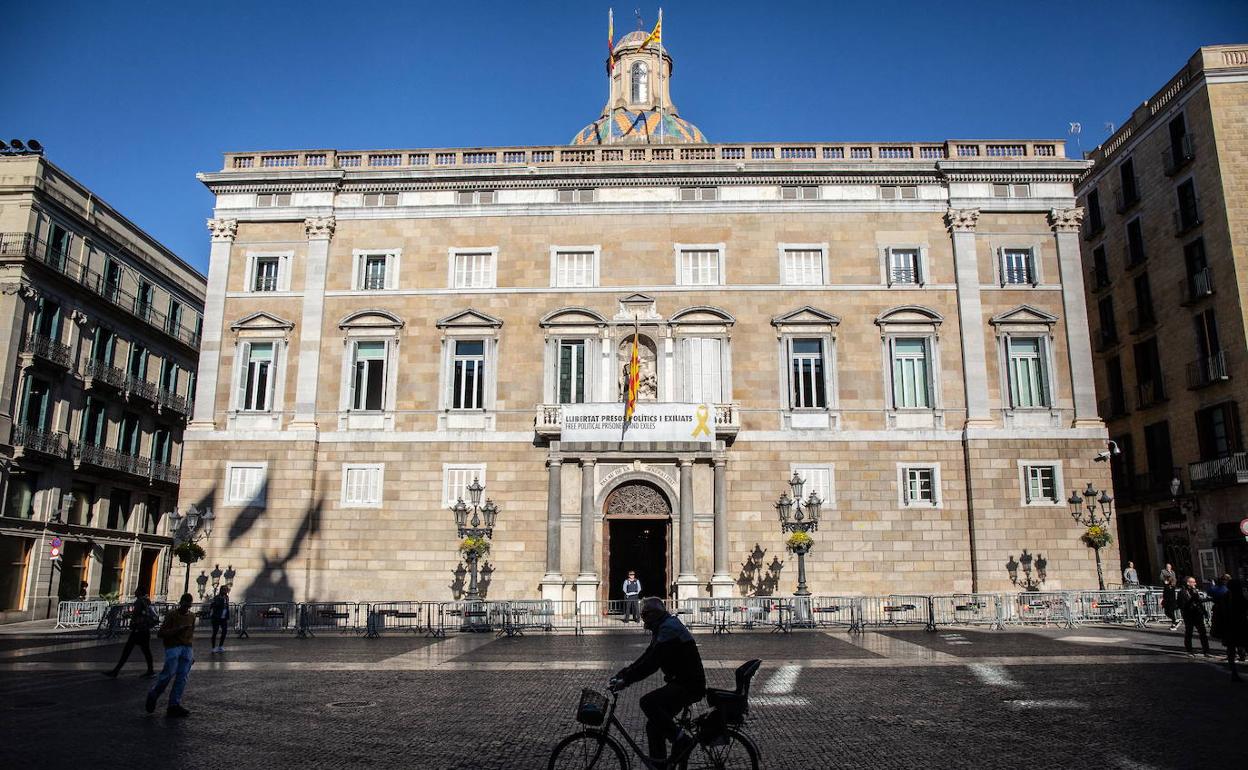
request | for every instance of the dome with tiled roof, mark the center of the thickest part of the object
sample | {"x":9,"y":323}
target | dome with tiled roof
{"x":623,"y":126}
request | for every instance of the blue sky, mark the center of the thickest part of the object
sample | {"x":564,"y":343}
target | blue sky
{"x":133,"y":98}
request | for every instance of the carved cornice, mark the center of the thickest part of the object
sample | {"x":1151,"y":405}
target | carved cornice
{"x":223,"y":229}
{"x":962,"y":220}
{"x":25,"y":290}
{"x":1066,"y":220}
{"x":319,"y":228}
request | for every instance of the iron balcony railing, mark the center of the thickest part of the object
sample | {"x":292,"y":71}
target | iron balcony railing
{"x":1125,"y":199}
{"x":1197,"y":286}
{"x":1151,"y":392}
{"x":47,"y":442}
{"x":1221,"y":471}
{"x":111,"y":459}
{"x":1187,"y":217}
{"x":26,"y":245}
{"x":1175,"y":158}
{"x":48,"y":349}
{"x":1153,"y":485}
{"x":1112,"y":407}
{"x":99,"y":372}
{"x":1207,"y":370}
{"x":164,"y":472}
{"x":173,"y":402}
{"x":137,"y":386}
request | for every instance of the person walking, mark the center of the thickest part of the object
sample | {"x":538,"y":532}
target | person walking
{"x":1169,"y":596}
{"x":673,"y":651}
{"x":1130,"y":578}
{"x":177,"y":632}
{"x":142,"y":618}
{"x":1230,"y":622}
{"x":1192,"y":607}
{"x":219,"y":613}
{"x":632,"y":597}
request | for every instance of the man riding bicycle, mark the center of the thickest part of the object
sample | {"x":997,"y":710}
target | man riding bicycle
{"x":672,"y":650}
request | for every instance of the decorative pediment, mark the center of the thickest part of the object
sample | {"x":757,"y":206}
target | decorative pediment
{"x":637,"y":306}
{"x":1023,"y":315}
{"x":372,"y":318}
{"x":572,"y":316}
{"x":910,"y":315}
{"x":805,"y":316}
{"x":703,"y":315}
{"x":261,"y":321}
{"x":470,"y":318}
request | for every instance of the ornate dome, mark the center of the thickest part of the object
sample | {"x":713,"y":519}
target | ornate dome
{"x":625,"y":126}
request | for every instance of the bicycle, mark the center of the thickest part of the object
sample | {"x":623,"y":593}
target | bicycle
{"x":718,"y":741}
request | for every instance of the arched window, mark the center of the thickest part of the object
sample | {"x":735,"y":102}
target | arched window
{"x":641,"y":83}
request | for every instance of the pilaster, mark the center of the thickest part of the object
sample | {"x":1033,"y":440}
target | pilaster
{"x":223,"y":231}
{"x":1065,"y":224}
{"x":962,"y":223}
{"x":319,"y":231}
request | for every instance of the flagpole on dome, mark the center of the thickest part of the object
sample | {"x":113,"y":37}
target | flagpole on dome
{"x":664,"y":80}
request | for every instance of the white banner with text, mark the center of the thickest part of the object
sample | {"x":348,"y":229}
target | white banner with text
{"x":652,"y":421}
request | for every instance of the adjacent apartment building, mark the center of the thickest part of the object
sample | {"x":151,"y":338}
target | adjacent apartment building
{"x":99,"y":341}
{"x":1165,"y":248}
{"x":901,"y":324}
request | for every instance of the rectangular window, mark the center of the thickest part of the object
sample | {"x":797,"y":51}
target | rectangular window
{"x":272,"y":200}
{"x":919,"y":486}
{"x":574,"y":268}
{"x":468,"y":386}
{"x":80,"y":509}
{"x":471,"y":197}
{"x":174,"y":320}
{"x":1028,"y":375}
{"x":818,"y":479}
{"x":1218,"y":431}
{"x":1041,"y":484}
{"x":1017,"y":267}
{"x":381,"y":199}
{"x":245,"y":484}
{"x":1189,"y":206}
{"x":803,"y":267}
{"x":585,"y":195}
{"x":19,"y":502}
{"x":1130,"y":192}
{"x":904,"y":192}
{"x":104,"y":345}
{"x":911,"y":373}
{"x":265,"y":277}
{"x":37,"y":404}
{"x":799,"y":193}
{"x":904,"y":267}
{"x":699,"y":267}
{"x":373,"y":272}
{"x":129,"y":436}
{"x":361,"y":485}
{"x":1100,"y":268}
{"x":1108,"y":335}
{"x":162,"y":445}
{"x":257,"y":384}
{"x":1095,"y":221}
{"x":143,"y":301}
{"x":455,"y":481}
{"x":1117,"y":390}
{"x":368,"y":380}
{"x":807,"y":388}
{"x":474,"y":270}
{"x":699,"y":193}
{"x":1135,"y":243}
{"x":702,"y":370}
{"x":119,"y":508}
{"x":137,"y":367}
{"x":94,"y":427}
{"x":571,"y":374}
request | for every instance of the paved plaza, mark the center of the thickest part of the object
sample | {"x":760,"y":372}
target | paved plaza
{"x":1043,"y":698}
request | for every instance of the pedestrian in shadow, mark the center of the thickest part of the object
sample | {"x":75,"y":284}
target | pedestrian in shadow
{"x":1169,"y":595}
{"x":219,"y":612}
{"x":176,"y":632}
{"x":1230,"y":623}
{"x":1192,"y":607}
{"x":142,"y":619}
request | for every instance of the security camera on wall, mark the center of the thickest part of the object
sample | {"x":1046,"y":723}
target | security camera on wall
{"x":1112,"y":450}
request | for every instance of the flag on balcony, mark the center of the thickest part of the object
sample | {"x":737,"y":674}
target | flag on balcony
{"x":634,"y":379}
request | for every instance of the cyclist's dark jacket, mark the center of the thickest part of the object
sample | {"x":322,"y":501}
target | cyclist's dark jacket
{"x":673,"y":651}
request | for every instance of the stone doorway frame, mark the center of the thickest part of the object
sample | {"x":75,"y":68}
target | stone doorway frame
{"x":636,"y":478}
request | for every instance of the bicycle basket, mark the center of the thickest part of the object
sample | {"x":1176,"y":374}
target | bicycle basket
{"x":592,"y":709}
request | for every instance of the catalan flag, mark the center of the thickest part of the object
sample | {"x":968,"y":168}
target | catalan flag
{"x":634,"y":379}
{"x":656,"y":36}
{"x":610,"y":41}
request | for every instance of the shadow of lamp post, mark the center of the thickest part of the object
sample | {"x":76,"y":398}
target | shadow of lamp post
{"x":800,"y":518}
{"x":1027,"y":582}
{"x":476,"y":531}
{"x":1092,"y":511}
{"x":188,"y":529}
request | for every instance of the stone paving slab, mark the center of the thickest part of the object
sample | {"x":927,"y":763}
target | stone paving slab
{"x":966,"y":644}
{"x":257,"y":649}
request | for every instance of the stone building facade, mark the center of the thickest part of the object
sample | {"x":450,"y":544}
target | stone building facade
{"x":900,"y":323}
{"x":100,"y":329}
{"x":1165,"y":248}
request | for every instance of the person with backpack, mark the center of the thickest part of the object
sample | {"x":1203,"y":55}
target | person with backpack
{"x":142,"y":620}
{"x":219,"y":614}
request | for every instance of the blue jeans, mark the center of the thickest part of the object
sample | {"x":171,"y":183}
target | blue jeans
{"x":178,"y":662}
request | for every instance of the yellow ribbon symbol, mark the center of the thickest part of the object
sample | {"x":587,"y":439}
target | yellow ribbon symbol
{"x":703,"y":414}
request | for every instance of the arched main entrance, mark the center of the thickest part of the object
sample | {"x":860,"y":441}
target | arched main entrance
{"x":638,"y":533}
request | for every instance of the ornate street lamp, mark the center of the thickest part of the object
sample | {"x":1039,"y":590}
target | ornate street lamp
{"x":477,"y":529}
{"x":800,"y":518}
{"x":1092,"y":510}
{"x":186,"y":529}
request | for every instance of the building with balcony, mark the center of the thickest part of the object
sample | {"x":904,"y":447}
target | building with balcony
{"x":1166,"y":271}
{"x":101,"y":328}
{"x":902,"y":324}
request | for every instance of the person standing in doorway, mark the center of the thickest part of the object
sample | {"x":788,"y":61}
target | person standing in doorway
{"x":632,"y":598}
{"x":1130,"y":578}
{"x":1169,"y":596}
{"x":142,"y":618}
{"x":1192,"y":607}
{"x":177,"y":632}
{"x":219,"y":613}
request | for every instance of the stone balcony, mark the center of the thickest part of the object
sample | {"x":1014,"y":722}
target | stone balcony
{"x":548,"y":423}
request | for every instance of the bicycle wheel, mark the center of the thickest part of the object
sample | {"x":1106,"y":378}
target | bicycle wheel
{"x":587,"y":749}
{"x":733,"y":751}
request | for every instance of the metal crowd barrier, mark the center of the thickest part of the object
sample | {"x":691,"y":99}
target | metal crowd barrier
{"x":80,"y":614}
{"x":601,"y":614}
{"x":1042,"y":608}
{"x":267,"y":616}
{"x":968,"y":610}
{"x":836,"y":612}
{"x":470,"y":615}
{"x":344,"y":617}
{"x":520,"y":615}
{"x":416,"y":617}
{"x":898,"y":610}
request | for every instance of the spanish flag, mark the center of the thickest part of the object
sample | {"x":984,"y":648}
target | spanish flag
{"x":634,"y":379}
{"x":657,"y":35}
